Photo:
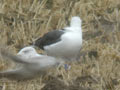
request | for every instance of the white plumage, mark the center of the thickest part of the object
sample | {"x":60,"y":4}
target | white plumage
{"x":64,"y":44}
{"x":33,"y":64}
{"x":67,"y":44}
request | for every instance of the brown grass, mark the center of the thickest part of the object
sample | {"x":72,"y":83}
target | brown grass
{"x":22,"y":21}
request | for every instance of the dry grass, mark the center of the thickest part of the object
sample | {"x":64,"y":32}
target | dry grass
{"x":22,"y":21}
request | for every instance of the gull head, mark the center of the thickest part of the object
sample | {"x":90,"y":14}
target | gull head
{"x":27,"y":52}
{"x":75,"y":22}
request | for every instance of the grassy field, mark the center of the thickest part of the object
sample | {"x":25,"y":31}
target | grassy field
{"x":22,"y":21}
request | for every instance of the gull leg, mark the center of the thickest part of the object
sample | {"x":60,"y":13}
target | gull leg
{"x":67,"y":67}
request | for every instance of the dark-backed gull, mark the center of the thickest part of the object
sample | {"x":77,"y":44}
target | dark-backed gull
{"x":65,"y":43}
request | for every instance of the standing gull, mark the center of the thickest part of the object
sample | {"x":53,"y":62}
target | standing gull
{"x":32,"y":64}
{"x":64,"y":43}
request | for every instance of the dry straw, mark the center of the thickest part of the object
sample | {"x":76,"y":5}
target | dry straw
{"x":22,"y":21}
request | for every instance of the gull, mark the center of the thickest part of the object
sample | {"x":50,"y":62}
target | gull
{"x":65,"y":43}
{"x":28,"y":52}
{"x":32,"y":64}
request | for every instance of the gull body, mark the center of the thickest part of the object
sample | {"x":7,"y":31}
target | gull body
{"x":64,"y":43}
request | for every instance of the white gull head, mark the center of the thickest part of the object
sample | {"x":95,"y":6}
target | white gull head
{"x":28,"y":52}
{"x":75,"y":22}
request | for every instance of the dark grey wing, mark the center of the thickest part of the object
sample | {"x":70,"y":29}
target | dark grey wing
{"x":49,"y":38}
